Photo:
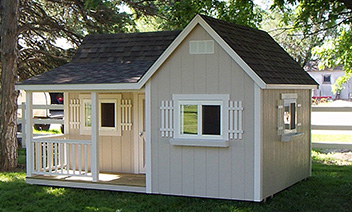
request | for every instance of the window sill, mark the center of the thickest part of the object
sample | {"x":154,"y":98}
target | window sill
{"x":288,"y":137}
{"x":199,"y":142}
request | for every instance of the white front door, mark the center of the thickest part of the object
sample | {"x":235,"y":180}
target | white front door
{"x":141,"y":130}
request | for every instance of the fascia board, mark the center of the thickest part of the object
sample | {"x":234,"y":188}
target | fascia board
{"x":290,"y":86}
{"x":75,"y":87}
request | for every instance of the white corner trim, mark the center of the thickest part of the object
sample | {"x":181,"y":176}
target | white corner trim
{"x":290,"y":86}
{"x":258,"y":166}
{"x":148,"y":144}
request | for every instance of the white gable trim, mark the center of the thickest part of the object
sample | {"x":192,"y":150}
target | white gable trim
{"x":199,"y":20}
{"x":166,"y":54}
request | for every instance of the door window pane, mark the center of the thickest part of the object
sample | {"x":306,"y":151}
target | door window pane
{"x":107,"y":114}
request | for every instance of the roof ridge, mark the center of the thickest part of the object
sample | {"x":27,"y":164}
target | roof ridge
{"x":233,"y":24}
{"x":133,"y":33}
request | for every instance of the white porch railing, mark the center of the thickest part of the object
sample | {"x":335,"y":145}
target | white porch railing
{"x":21,"y":119}
{"x":61,"y":157}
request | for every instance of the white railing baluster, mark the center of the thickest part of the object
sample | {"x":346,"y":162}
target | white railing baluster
{"x":68,"y":158}
{"x":45,"y":157}
{"x":79,"y":159}
{"x":61,"y":158}
{"x":55,"y":157}
{"x":85,"y":160}
{"x":73,"y":158}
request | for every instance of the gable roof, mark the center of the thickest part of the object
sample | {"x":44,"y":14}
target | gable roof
{"x":261,"y":52}
{"x":109,"y":58}
{"x":129,"y":60}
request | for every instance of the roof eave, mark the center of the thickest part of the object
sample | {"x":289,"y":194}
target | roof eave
{"x":80,"y":87}
{"x":290,"y":86}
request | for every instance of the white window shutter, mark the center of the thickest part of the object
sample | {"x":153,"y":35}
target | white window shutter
{"x":167,"y":119}
{"x":126,"y":114}
{"x":280,"y":117}
{"x":235,"y":115}
{"x":75,"y":113}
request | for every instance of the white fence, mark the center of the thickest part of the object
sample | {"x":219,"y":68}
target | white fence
{"x":336,"y":119}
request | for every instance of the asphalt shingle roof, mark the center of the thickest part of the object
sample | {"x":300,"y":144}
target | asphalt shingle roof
{"x":109,"y":58}
{"x":260,"y":51}
{"x":125,"y":58}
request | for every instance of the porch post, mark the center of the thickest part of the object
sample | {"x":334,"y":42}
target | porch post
{"x":29,"y":133}
{"x":95,"y":136}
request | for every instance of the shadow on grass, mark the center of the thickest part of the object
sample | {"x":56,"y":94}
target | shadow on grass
{"x":329,"y":189}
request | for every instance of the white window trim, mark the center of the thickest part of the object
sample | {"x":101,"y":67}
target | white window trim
{"x":103,"y":98}
{"x":201,"y":140}
{"x":289,"y":134}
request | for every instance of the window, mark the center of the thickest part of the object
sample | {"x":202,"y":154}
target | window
{"x":290,"y":116}
{"x":200,"y":119}
{"x":201,"y":116}
{"x":109,"y":114}
{"x":327,"y":79}
{"x":287,"y":116}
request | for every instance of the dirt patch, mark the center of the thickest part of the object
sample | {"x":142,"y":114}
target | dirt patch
{"x":337,"y":156}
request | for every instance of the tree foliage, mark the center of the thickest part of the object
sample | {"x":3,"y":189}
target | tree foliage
{"x":177,"y":14}
{"x":43,"y":22}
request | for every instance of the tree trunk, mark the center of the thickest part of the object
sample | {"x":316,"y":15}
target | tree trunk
{"x":8,"y":94}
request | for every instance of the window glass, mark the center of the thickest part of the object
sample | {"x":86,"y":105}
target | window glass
{"x":107,"y":114}
{"x":290,"y":116}
{"x":327,"y":78}
{"x":189,"y":119}
{"x":211,"y":119}
{"x":87,"y":114}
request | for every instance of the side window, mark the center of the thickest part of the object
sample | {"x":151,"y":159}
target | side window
{"x":290,"y":116}
{"x":288,"y":111}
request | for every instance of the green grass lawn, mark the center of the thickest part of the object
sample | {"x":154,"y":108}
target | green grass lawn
{"x":329,"y":189}
{"x":331,"y":138}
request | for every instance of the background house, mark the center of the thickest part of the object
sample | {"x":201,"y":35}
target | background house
{"x":326,"y":78}
{"x":217,"y":110}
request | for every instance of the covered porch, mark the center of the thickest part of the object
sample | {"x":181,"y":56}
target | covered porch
{"x":75,"y":159}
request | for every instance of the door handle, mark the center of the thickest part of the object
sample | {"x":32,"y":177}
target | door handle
{"x":141,"y":133}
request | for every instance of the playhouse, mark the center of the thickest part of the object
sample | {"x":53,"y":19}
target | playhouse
{"x":216,"y":110}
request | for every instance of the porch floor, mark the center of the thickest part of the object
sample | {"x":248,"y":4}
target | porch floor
{"x":109,"y":180}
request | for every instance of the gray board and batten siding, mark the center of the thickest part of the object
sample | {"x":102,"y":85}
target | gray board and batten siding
{"x":284,"y":163}
{"x":202,"y":171}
